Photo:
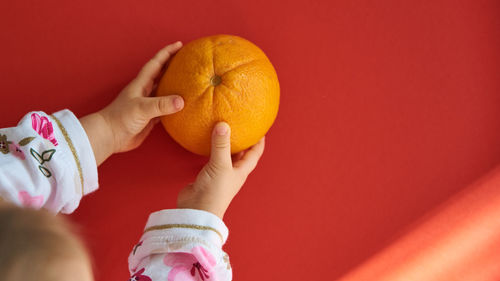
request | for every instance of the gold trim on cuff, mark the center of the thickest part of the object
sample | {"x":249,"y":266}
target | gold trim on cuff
{"x":71,"y":147}
{"x":190,"y":226}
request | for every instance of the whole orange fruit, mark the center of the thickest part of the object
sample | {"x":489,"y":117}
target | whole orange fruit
{"x":221,"y":78}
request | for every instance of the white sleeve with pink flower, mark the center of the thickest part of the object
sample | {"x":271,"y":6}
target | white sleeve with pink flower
{"x":181,"y":245}
{"x":46,"y":161}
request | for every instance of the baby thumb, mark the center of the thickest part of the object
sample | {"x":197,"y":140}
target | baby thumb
{"x":220,"y":154}
{"x":159,"y":106}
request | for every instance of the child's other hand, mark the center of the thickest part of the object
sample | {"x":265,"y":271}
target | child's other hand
{"x":131,"y":115}
{"x":126,"y":122}
{"x":221,"y":178}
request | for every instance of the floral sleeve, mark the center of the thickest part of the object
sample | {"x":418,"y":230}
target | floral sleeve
{"x":181,"y":245}
{"x":46,"y":161}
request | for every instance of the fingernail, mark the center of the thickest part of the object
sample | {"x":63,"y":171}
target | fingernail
{"x":178,"y":103}
{"x":221,"y":130}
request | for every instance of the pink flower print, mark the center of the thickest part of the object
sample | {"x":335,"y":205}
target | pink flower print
{"x":43,"y":127}
{"x":27,"y":200}
{"x":139,"y":277}
{"x":16,"y":150}
{"x":194,"y":266}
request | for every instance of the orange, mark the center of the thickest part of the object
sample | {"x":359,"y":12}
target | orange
{"x":221,"y":78}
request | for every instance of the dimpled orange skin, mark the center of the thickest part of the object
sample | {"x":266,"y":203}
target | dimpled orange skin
{"x":221,"y":78}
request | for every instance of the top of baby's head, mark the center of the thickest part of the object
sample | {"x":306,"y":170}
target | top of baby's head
{"x":36,"y":245}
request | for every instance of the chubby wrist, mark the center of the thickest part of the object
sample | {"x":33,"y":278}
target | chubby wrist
{"x":100,"y":136}
{"x":214,"y":208}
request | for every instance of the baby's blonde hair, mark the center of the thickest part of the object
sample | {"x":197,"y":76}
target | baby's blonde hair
{"x":33,"y":243}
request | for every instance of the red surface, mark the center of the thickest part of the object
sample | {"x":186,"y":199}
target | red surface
{"x":460,"y":240}
{"x":388,"y":108}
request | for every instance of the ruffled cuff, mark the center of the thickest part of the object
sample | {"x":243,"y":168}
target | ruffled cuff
{"x":78,"y":143}
{"x":179,"y":231}
{"x":183,"y":222}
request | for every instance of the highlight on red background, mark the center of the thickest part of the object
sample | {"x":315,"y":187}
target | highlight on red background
{"x":460,"y":240}
{"x":388,"y":109}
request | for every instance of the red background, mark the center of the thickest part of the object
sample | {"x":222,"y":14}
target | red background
{"x":387,"y":109}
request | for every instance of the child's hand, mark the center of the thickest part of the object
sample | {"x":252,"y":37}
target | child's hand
{"x":126,"y":122}
{"x":221,"y":178}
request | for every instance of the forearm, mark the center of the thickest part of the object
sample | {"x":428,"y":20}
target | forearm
{"x":100,"y":136}
{"x":181,"y":243}
{"x":46,"y":162}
